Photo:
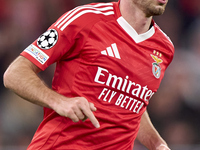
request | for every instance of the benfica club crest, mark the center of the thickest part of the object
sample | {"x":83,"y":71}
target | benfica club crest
{"x":156,"y":68}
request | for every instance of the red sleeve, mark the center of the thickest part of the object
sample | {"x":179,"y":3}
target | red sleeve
{"x":58,"y":43}
{"x":66,"y":37}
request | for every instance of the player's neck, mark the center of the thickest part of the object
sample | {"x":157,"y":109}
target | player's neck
{"x":135,"y":17}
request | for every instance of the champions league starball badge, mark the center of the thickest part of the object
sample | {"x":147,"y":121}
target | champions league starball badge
{"x":48,"y":39}
{"x":156,"y":69}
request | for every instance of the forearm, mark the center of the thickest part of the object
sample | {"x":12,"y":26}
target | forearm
{"x":25,"y":83}
{"x":148,"y":135}
{"x":21,"y":77}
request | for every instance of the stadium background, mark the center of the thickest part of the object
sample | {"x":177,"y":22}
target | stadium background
{"x":174,"y":110}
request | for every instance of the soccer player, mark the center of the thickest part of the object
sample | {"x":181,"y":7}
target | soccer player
{"x":111,"y":58}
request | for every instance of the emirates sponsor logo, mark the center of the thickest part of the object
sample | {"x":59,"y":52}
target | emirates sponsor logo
{"x":122,"y":91}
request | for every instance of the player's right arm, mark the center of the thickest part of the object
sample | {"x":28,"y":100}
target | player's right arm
{"x":21,"y":77}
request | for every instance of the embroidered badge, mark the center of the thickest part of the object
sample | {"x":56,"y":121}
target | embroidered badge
{"x":156,"y":68}
{"x":48,"y":39}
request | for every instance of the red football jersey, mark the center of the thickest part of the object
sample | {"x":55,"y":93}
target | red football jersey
{"x":100,"y":57}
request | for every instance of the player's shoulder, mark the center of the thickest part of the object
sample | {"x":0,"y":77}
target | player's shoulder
{"x":164,"y":37}
{"x":85,"y":14}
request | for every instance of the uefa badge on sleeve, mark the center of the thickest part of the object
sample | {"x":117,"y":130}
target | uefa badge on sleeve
{"x":156,"y":69}
{"x":48,"y":39}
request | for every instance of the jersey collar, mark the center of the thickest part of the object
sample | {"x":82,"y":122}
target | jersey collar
{"x":130,"y":30}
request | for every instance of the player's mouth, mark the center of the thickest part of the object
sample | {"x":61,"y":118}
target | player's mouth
{"x":162,"y":1}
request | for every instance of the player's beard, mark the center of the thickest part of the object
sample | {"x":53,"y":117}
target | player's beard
{"x":155,"y":11}
{"x":149,"y":7}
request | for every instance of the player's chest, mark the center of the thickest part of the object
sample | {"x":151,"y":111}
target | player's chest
{"x":143,"y":63}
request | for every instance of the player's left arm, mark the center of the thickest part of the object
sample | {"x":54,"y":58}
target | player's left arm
{"x":149,"y":136}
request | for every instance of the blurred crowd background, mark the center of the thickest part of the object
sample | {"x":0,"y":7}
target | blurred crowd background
{"x":174,"y":110}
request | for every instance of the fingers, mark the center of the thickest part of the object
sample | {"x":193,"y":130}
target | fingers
{"x":85,"y":119}
{"x":79,"y":115}
{"x":162,"y":147}
{"x":81,"y":110}
{"x":91,"y":116}
{"x":92,"y":107}
{"x":73,"y":117}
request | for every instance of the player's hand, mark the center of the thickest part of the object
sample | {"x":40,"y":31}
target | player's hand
{"x":77,"y":108}
{"x":162,"y":147}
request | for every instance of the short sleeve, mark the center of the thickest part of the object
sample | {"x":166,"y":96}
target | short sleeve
{"x":65,"y":38}
{"x":56,"y":44}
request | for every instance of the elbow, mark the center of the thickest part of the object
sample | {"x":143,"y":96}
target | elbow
{"x":7,"y":80}
{"x":13,"y":76}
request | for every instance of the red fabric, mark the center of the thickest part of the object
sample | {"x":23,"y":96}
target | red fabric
{"x":119,"y":86}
